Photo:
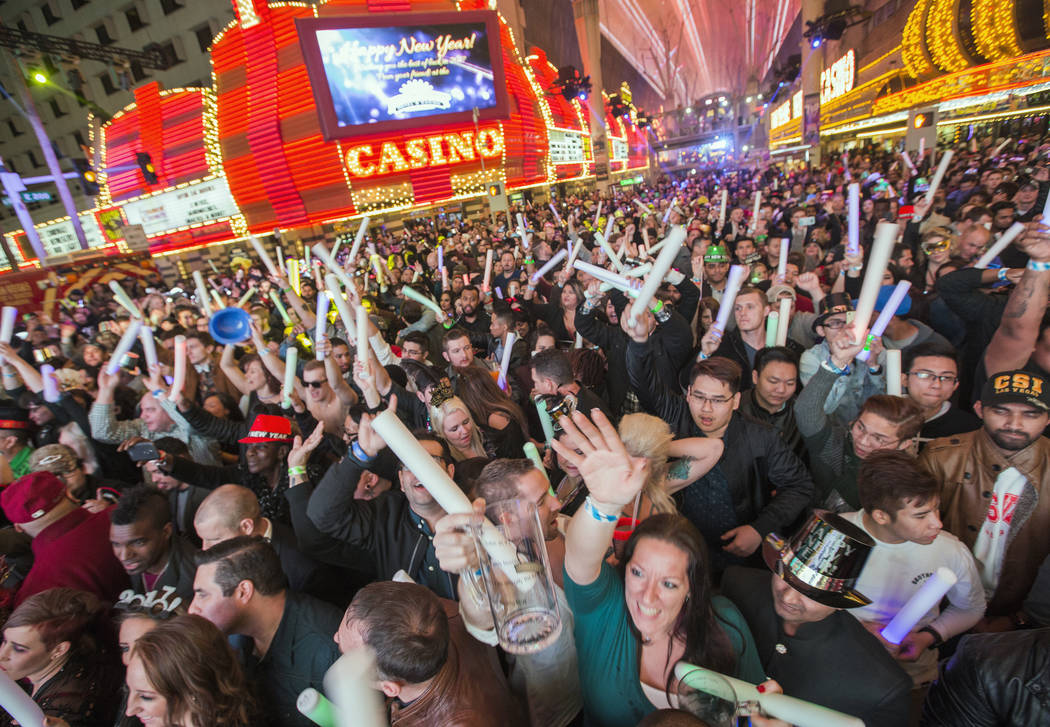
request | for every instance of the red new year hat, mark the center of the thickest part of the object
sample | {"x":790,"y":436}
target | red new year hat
{"x":269,"y":428}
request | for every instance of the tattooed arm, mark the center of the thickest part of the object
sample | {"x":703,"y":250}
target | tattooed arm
{"x":1015,"y":339}
{"x":693,"y":458}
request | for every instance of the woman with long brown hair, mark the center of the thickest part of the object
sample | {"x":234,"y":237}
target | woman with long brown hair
{"x":501,"y":421}
{"x":182,"y":673}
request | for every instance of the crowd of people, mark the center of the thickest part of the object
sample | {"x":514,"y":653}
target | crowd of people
{"x":213,"y":543}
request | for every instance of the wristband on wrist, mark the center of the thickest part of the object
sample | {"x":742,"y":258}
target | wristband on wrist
{"x":158,"y":393}
{"x":359,"y":453}
{"x":937,"y":640}
{"x":597,"y":514}
{"x":1037,"y":266}
{"x":1002,"y":273}
{"x":299,"y":470}
{"x":835,"y":369}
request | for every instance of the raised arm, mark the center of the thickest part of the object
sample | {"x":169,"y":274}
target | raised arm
{"x":335,"y":377}
{"x":694,"y":457}
{"x":1014,"y":340}
{"x":232,"y":370}
{"x":29,"y":375}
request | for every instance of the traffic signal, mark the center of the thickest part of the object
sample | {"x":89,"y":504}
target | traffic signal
{"x":921,"y":121}
{"x":495,"y":189}
{"x":88,"y":177}
{"x":145,"y":162}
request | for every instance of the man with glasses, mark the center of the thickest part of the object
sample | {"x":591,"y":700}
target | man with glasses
{"x":757,"y":486}
{"x":850,"y":390}
{"x":930,"y":377}
{"x":836,"y":449}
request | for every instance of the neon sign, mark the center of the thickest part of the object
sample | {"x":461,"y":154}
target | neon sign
{"x":370,"y":160}
{"x":780,"y":115}
{"x":838,"y":78}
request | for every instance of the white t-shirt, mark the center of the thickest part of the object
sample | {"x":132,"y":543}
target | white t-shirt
{"x":991,"y":541}
{"x":895,"y":571}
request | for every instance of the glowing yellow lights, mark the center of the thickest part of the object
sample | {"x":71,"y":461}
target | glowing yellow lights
{"x":921,"y":121}
{"x":995,"y":29}
{"x":913,"y":45}
{"x":246,"y":13}
{"x":421,"y":152}
{"x":945,"y":50}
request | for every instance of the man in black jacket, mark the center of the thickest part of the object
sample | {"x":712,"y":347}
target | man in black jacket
{"x":734,"y":504}
{"x":396,"y":528}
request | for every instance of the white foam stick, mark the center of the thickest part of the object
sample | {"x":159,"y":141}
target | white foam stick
{"x":358,"y":239}
{"x":219,"y":305}
{"x":579,"y":341}
{"x":604,"y":245}
{"x":754,"y":212}
{"x":609,"y":230}
{"x":893,"y":371}
{"x":124,"y":299}
{"x":362,"y":336}
{"x":656,"y":276}
{"x":280,"y":259}
{"x":780,"y":706}
{"x":853,"y":221}
{"x":291,"y":362}
{"x":488,"y":269}
{"x":607,"y":276}
{"x":17,"y":703}
{"x":7,"y":325}
{"x":322,"y":254}
{"x":504,"y":366}
{"x":51,"y":392}
{"x":555,"y":211}
{"x":441,"y":257}
{"x":179,"y":375}
{"x":782,"y":263}
{"x":722,"y":210}
{"x":126,"y":342}
{"x":149,"y":347}
{"x":573,"y":253}
{"x":999,"y":245}
{"x":413,"y":294}
{"x":639,"y":271}
{"x":1000,"y":147}
{"x":644,"y":209}
{"x":597,"y":214}
{"x":263,"y":255}
{"x":922,"y":147}
{"x":772,"y":323}
{"x":725,"y":307}
{"x":523,"y":231}
{"x":549,"y":265}
{"x":928,"y":596}
{"x":784,"y":322}
{"x":349,"y":683}
{"x":907,"y":162}
{"x":885,"y":316}
{"x":336,"y":296}
{"x":938,"y":176}
{"x":321,"y":324}
{"x":881,"y":249}
{"x":202,"y":293}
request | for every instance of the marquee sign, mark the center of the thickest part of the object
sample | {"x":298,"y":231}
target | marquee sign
{"x":437,"y":150}
{"x":838,"y":78}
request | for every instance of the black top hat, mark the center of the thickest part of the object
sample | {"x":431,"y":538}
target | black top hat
{"x":822,"y":560}
{"x":831,"y":305}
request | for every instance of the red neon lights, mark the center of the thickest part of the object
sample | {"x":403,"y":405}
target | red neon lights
{"x":439,"y":150}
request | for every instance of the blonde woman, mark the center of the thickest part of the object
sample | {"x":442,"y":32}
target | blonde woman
{"x":453,"y":423}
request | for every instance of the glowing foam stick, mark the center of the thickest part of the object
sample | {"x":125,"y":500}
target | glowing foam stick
{"x":644,"y":209}
{"x":377,"y":266}
{"x":280,"y":307}
{"x":885,"y":315}
{"x":938,"y":176}
{"x":782,"y":264}
{"x":246,"y":297}
{"x":504,"y":367}
{"x":893,"y":371}
{"x":213,"y":268}
{"x":907,"y":161}
{"x":780,"y":706}
{"x":546,"y":423}
{"x":725,"y":307}
{"x":488,"y":269}
{"x":321,"y":323}
{"x":579,"y":341}
{"x":881,"y":249}
{"x":608,"y":251}
{"x":179,"y":375}
{"x":548,"y":266}
{"x":555,"y":211}
{"x":845,"y":165}
{"x":722,"y":210}
{"x":358,"y":239}
{"x":533,"y":455}
{"x":853,"y":221}
{"x":218,"y":300}
{"x":336,"y":296}
{"x":597,"y":214}
{"x":315,"y":707}
{"x":322,"y":254}
{"x":523,"y":231}
{"x":572,"y":254}
{"x":126,"y":342}
{"x":783,"y":321}
{"x":441,"y":257}
{"x":280,"y":259}
{"x":17,"y":703}
{"x":607,"y":276}
{"x":264,"y":256}
{"x":293,"y":275}
{"x":124,"y":299}
{"x":999,"y":245}
{"x":656,"y":276}
{"x":609,"y":230}
{"x":998,"y":148}
{"x":639,"y":271}
{"x":362,"y":336}
{"x":928,"y":596}
{"x":7,"y":325}
{"x":349,"y":680}
{"x":754,"y":212}
{"x":291,"y":362}
{"x":51,"y":392}
{"x":772,"y":323}
{"x":149,"y":348}
{"x":202,"y":293}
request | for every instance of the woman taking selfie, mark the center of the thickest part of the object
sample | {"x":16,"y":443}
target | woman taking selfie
{"x":634,"y":625}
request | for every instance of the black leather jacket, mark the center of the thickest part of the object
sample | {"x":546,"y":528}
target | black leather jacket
{"x":992,"y":680}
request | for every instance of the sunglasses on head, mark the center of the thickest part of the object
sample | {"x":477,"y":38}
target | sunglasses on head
{"x":313,"y":384}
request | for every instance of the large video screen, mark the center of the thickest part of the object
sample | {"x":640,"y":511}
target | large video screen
{"x":383,"y":73}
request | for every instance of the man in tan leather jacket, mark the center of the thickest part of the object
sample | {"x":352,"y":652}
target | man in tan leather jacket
{"x":996,"y":489}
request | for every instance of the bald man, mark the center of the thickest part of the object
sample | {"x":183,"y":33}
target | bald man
{"x":233,"y":510}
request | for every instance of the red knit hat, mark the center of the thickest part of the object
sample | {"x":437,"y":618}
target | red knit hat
{"x":269,"y":428}
{"x":32,"y":496}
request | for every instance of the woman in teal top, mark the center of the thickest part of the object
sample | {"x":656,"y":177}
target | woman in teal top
{"x":632,"y":627}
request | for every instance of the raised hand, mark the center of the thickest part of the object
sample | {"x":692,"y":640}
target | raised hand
{"x":302,"y":448}
{"x":592,"y":445}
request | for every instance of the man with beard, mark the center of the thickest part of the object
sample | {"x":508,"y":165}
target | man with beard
{"x":475,"y":321}
{"x":993,"y":481}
